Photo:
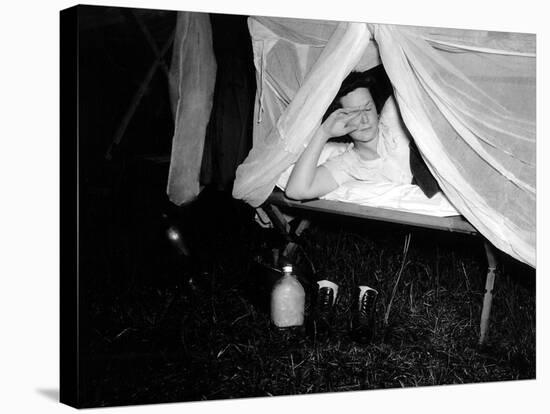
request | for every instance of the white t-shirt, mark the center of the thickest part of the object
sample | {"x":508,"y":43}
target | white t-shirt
{"x":393,"y":149}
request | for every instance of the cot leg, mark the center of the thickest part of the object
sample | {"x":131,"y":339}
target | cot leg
{"x":488,"y":297}
{"x":282,"y":225}
{"x":277,"y":218}
{"x":291,"y":246}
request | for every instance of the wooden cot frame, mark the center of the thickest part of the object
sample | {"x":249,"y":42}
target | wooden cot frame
{"x":456,"y":224}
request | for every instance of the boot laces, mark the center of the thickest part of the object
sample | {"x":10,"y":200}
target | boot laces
{"x":366,"y":306}
{"x":326,"y":299}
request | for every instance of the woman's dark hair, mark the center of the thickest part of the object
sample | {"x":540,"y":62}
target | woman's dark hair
{"x":375,"y":80}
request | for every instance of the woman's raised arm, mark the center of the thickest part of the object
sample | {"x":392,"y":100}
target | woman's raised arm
{"x":308,"y":180}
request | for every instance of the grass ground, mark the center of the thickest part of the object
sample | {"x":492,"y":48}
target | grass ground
{"x":158,"y":327}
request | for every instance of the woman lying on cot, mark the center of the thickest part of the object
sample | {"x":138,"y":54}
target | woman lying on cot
{"x":376,"y":154}
{"x":379,"y":151}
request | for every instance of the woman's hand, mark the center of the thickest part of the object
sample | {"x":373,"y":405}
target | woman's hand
{"x":340,"y":122}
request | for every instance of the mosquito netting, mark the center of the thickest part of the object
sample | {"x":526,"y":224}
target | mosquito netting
{"x":467,"y":98}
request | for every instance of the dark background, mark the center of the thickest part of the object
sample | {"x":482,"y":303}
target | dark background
{"x":123,"y":203}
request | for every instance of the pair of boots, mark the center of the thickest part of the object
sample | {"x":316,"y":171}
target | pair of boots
{"x":362,"y":323}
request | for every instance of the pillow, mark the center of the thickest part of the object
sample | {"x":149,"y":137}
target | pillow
{"x":391,"y":125}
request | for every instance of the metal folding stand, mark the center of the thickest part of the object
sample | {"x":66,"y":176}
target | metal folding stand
{"x":138,"y":95}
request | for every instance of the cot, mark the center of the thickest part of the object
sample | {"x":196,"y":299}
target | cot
{"x":277,"y":203}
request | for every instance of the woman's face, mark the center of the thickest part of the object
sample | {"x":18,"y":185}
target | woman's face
{"x":366,"y":120}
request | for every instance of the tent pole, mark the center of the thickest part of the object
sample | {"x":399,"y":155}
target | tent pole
{"x":488,"y":297}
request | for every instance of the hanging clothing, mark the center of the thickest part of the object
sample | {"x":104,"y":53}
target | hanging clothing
{"x":229,"y":133}
{"x":193,"y":75}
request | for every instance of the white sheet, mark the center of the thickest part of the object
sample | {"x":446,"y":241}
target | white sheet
{"x":402,"y":197}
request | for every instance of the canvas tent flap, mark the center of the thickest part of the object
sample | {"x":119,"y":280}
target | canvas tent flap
{"x":467,"y":97}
